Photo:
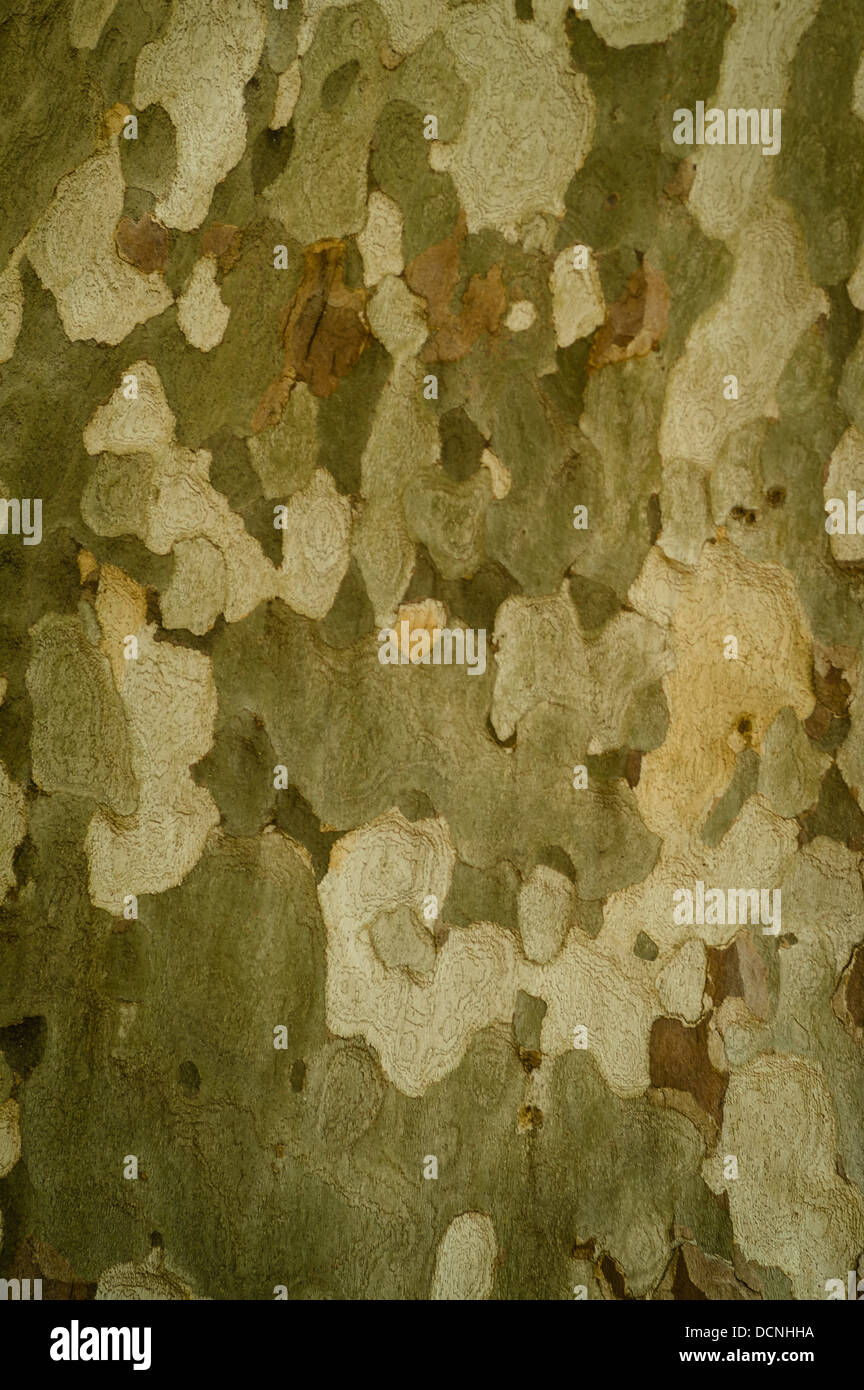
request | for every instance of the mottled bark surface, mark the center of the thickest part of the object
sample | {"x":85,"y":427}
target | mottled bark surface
{"x":324,"y":331}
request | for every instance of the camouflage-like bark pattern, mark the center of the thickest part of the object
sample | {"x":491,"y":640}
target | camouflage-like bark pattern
{"x":534,"y":975}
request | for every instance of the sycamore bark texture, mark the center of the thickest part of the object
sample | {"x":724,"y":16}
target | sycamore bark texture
{"x":317,"y":940}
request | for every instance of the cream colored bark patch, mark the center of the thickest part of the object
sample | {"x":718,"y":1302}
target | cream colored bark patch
{"x":398,"y":319}
{"x":788,"y":1205}
{"x":121,"y":607}
{"x":201,"y":314}
{"x":315,"y":546}
{"x":420,"y":617}
{"x":287,"y":92}
{"x":498,"y":473}
{"x":148,"y":1280}
{"x":681,"y":983}
{"x":578,"y":306}
{"x":420,"y":1030}
{"x":545,"y":912}
{"x":542,"y":657}
{"x":197,"y":594}
{"x":822,"y":890}
{"x":620,"y":23}
{"x":709,"y":693}
{"x":197,"y":70}
{"x":144,"y":425}
{"x":169,"y":698}
{"x":845,"y":475}
{"x":465,"y":1259}
{"x":11,"y":309}
{"x":529,"y":124}
{"x":72,"y":251}
{"x":520,"y":316}
{"x":590,"y":985}
{"x":175,"y":505}
{"x":10,"y":1136}
{"x":380,"y":242}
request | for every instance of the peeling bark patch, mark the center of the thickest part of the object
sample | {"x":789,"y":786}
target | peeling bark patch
{"x":434,"y":275}
{"x":636,"y":323}
{"x":323,"y":334}
{"x":224,"y":243}
{"x":848,"y":1001}
{"x":680,"y":1062}
{"x":143,"y":243}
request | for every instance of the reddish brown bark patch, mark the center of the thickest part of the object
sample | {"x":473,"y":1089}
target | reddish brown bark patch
{"x":636,"y":323}
{"x":680,"y":1062}
{"x":143,"y":244}
{"x":222,"y":241}
{"x":324,"y":331}
{"x":434,"y":275}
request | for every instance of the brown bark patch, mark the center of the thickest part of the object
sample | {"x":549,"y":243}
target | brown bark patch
{"x":682,"y":180}
{"x":530,"y":1117}
{"x":434,"y":275}
{"x":143,"y":244}
{"x":680,"y":1062}
{"x":693,"y":1276}
{"x":222,"y":241}
{"x":36,"y":1259}
{"x":636,"y":323}
{"x":848,"y":1001}
{"x":324,"y":331}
